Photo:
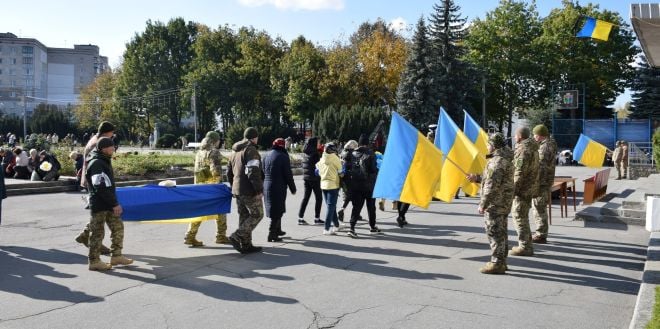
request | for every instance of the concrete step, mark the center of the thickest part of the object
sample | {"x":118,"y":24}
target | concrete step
{"x":597,"y":214}
{"x":70,"y":185}
{"x":42,"y":189}
{"x":637,"y":205}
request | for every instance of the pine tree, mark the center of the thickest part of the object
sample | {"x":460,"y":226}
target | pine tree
{"x":451,"y":80}
{"x":646,"y":95}
{"x":416,"y":99}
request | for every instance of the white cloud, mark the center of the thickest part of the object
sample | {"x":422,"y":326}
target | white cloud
{"x":296,"y":4}
{"x":399,"y":25}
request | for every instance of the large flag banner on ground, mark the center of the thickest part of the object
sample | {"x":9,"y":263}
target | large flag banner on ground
{"x":595,"y":29}
{"x":589,"y":152}
{"x":154,"y":202}
{"x":479,"y":138}
{"x":411,"y":165}
{"x":459,"y":154}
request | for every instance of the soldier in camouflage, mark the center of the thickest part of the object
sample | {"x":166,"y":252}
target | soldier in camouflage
{"x":496,"y":197}
{"x":246,"y":176}
{"x":208,"y":170}
{"x":526,"y":167}
{"x":547,"y":152}
{"x":104,"y":207}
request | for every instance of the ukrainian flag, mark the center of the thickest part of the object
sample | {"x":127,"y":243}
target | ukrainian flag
{"x":460,"y":155}
{"x":479,"y":138}
{"x":411,"y":166}
{"x":589,"y":152}
{"x":595,"y":29}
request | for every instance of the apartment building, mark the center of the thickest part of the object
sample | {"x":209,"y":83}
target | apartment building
{"x":43,"y":74}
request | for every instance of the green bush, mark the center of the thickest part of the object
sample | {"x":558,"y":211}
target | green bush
{"x":656,"y":148}
{"x":37,"y":142}
{"x":166,"y":141}
{"x":267,"y":134}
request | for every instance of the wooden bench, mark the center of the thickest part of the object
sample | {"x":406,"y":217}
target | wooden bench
{"x":596,"y":187}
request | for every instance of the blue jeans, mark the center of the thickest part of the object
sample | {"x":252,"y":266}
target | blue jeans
{"x":330,"y":197}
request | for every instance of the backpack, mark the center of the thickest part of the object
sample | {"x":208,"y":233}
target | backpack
{"x":356,"y":171}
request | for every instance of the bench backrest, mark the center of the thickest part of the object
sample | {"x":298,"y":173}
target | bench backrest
{"x":601,"y":178}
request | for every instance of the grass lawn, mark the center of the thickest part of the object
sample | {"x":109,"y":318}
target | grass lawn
{"x":655,"y":320}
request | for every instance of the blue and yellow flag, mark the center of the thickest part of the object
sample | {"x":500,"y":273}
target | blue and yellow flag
{"x":411,"y":166}
{"x":595,"y":29}
{"x":459,"y":153}
{"x":479,"y":138}
{"x":589,"y":152}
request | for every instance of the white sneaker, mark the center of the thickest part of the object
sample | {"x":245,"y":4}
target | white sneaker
{"x":331,"y":231}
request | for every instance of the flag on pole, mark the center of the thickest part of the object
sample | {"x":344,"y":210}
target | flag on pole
{"x":595,"y":29}
{"x":459,"y":154}
{"x":479,"y":138}
{"x":589,"y":152}
{"x":411,"y":166}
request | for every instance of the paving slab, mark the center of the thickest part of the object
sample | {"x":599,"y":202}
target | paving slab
{"x":423,"y":276}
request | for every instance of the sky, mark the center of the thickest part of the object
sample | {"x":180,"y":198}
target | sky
{"x":112,"y":24}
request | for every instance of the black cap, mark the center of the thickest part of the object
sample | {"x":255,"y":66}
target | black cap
{"x":105,"y":127}
{"x":104,"y":142}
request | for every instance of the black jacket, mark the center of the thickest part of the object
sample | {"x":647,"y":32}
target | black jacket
{"x":363,"y":156}
{"x":310,"y":158}
{"x":100,"y":182}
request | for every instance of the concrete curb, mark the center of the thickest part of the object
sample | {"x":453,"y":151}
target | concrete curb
{"x":650,"y":279}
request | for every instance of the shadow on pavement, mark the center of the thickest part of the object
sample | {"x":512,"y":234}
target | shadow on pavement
{"x":20,"y":275}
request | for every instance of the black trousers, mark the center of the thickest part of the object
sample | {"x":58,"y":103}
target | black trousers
{"x":359,"y":198}
{"x":275,"y":226}
{"x":402,"y":208}
{"x":312,"y":186}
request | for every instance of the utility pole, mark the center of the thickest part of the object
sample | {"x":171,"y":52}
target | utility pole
{"x":24,"y":117}
{"x":193,"y":105}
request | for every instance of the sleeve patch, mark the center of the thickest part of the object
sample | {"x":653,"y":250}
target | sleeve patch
{"x":101,"y":179}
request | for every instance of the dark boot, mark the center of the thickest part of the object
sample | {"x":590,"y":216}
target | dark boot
{"x":272,"y":237}
{"x":400,"y":221}
{"x":250,"y":248}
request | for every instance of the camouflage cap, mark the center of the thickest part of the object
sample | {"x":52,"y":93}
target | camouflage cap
{"x":541,"y":130}
{"x":497,"y":140}
{"x":213,"y":135}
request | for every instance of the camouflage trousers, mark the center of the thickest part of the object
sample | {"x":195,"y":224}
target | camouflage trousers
{"x":97,"y":233}
{"x":520,"y":213}
{"x":250,"y":213}
{"x":496,"y":230}
{"x":220,"y":222}
{"x":540,"y":210}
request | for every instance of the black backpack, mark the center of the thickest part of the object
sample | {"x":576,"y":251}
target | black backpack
{"x":356,"y":171}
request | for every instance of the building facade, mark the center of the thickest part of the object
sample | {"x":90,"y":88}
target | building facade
{"x":31,"y":73}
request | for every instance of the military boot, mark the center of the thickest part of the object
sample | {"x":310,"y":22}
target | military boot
{"x":98,"y":265}
{"x":222,"y":239}
{"x":221,"y":230}
{"x":493,"y":268}
{"x":191,"y":241}
{"x":120,"y":260}
{"x":83,"y":238}
{"x":520,"y":251}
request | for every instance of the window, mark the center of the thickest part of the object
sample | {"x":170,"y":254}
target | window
{"x":28,"y":50}
{"x":28,"y":60}
{"x":12,"y":72}
{"x":13,"y":60}
{"x":0,"y":60}
{"x":12,"y":50}
{"x":0,"y":71}
{"x":13,"y":83}
{"x":29,"y":83}
{"x":28,"y":71}
{"x":12,"y":94}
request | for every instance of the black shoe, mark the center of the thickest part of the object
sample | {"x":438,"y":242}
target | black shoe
{"x":376,"y":230}
{"x":400,"y":221}
{"x":274,"y":238}
{"x":318,"y":221}
{"x":340,"y":215}
{"x":302,"y":222}
{"x":250,"y":249}
{"x":281,"y":233}
{"x":352,"y":234}
{"x":236,"y":244}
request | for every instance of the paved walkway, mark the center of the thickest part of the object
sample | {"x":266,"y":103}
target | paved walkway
{"x":423,"y":276}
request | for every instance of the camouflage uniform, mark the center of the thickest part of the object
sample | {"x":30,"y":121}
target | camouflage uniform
{"x":208,"y":170}
{"x":496,"y":196}
{"x":526,"y":165}
{"x":546,"y":174}
{"x":246,"y":175}
{"x":624,"y":159}
{"x":97,"y":232}
{"x":617,"y":157}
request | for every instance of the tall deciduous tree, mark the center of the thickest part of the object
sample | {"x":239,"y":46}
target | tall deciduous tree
{"x":97,"y":104}
{"x":646,"y":91}
{"x":452,"y":78}
{"x":417,"y":101}
{"x":604,"y":67}
{"x":503,"y":47}
{"x":157,"y":60}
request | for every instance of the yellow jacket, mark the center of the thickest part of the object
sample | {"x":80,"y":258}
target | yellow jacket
{"x":329,"y":167}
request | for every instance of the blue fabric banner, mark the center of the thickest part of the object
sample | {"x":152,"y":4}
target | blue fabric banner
{"x":152,"y":202}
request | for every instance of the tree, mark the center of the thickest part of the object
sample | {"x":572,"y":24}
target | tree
{"x":416,"y":98}
{"x":452,"y":78}
{"x":302,"y":69}
{"x":155,"y":61}
{"x":96,"y":103}
{"x":503,"y":46}
{"x":345,"y":123}
{"x":50,"y":119}
{"x":339,"y":86}
{"x":603,"y":66}
{"x":646,"y":91}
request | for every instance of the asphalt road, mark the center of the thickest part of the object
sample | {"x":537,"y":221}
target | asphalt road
{"x":423,"y":276}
